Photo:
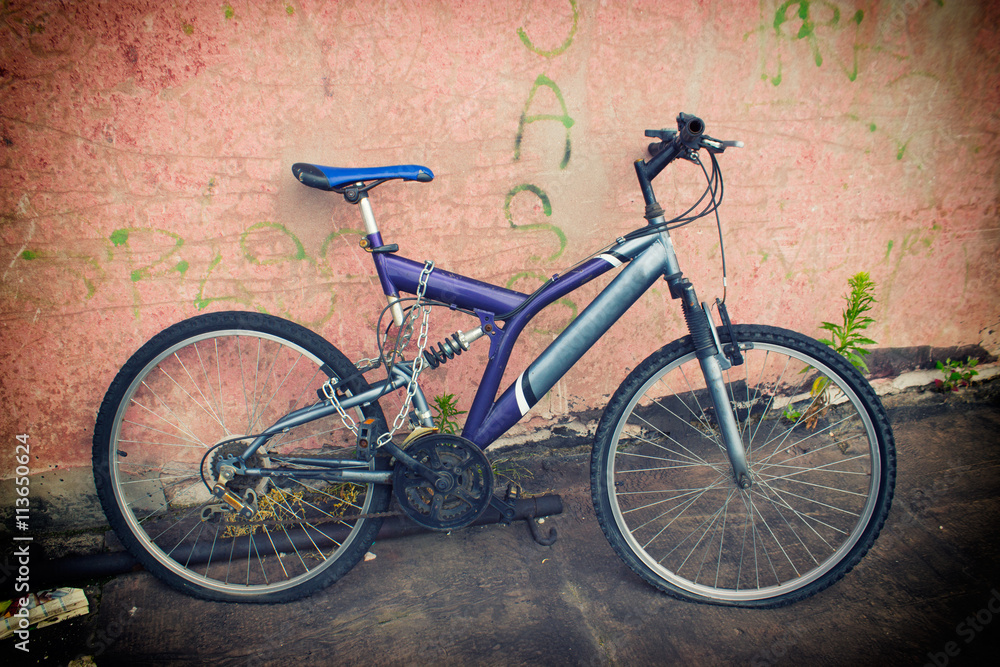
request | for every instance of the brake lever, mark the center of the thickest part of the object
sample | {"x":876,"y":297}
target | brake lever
{"x":717,"y":146}
{"x":665,"y":137}
{"x":662,"y":135}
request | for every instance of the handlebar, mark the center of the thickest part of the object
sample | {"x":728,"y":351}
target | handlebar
{"x":685,"y":142}
{"x":690,"y":135}
{"x":689,"y":128}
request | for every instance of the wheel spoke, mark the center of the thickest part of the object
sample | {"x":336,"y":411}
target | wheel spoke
{"x":199,"y":397}
{"x":815,"y":455}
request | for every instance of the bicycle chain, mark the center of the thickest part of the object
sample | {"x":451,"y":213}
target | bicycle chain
{"x":311,"y":522}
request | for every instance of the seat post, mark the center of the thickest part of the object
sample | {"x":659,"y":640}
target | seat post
{"x":375,"y":241}
{"x":371,"y":228}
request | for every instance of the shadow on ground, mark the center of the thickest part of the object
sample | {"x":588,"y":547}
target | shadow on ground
{"x":926,"y":594}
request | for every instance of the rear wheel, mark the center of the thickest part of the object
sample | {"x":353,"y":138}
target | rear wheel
{"x":822,"y":462}
{"x":197,"y":393}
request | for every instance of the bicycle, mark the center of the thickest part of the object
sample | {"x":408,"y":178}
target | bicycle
{"x":242,"y":457}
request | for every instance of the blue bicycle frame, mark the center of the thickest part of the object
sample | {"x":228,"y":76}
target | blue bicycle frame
{"x":645,"y":258}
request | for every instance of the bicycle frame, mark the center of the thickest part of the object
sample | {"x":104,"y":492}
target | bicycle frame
{"x":217,"y":507}
{"x":646,"y":258}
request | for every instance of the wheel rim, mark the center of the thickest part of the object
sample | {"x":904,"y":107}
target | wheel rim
{"x":814,"y":459}
{"x":203,"y":391}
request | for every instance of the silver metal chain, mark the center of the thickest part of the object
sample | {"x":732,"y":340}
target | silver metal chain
{"x":329,"y":388}
{"x":418,"y":360}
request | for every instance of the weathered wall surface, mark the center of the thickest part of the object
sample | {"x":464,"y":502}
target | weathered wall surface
{"x":146,"y":149}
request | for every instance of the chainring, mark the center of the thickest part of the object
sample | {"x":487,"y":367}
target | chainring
{"x":469,"y":479}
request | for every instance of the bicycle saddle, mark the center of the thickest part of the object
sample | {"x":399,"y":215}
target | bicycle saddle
{"x":334,"y":178}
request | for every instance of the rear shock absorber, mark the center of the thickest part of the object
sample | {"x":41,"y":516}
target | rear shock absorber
{"x":451,"y":347}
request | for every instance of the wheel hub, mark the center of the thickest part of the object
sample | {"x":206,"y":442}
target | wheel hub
{"x":223,"y":454}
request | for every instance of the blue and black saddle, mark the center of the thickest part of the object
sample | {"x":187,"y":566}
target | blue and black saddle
{"x":338,"y":178}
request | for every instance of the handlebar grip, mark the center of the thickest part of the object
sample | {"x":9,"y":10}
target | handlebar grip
{"x":656,"y":148}
{"x":690,"y":128}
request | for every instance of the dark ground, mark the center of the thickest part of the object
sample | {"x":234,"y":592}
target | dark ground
{"x":926,"y":593}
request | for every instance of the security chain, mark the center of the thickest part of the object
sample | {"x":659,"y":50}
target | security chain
{"x":418,"y":362}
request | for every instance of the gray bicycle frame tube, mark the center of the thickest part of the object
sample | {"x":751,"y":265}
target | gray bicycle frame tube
{"x":401,"y":377}
{"x":340,"y":468}
{"x":651,"y":258}
{"x":647,"y":259}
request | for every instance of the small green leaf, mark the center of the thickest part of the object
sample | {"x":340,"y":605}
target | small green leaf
{"x":857,"y":361}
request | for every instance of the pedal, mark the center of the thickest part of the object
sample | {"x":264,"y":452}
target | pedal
{"x":513,"y":492}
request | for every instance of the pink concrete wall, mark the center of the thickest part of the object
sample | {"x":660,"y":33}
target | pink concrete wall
{"x":146,"y":149}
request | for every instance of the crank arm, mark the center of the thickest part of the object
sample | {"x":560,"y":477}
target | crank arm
{"x":439,"y":481}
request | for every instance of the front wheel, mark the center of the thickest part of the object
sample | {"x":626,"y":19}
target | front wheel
{"x":198,"y":393}
{"x":822,"y":464}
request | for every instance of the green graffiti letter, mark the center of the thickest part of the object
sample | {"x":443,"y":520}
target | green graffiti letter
{"x":281,"y":255}
{"x":546,"y":209}
{"x":565,"y":119}
{"x":559,"y":49}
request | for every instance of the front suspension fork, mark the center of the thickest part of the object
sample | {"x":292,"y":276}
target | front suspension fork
{"x":713,"y":362}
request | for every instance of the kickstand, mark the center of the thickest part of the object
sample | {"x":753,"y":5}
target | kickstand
{"x":536,"y":532}
{"x":506,"y":508}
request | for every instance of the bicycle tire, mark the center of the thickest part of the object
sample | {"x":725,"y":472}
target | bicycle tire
{"x":175,"y":409}
{"x":822,"y":461}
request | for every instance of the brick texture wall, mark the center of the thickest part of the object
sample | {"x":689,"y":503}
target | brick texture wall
{"x":146,"y":149}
